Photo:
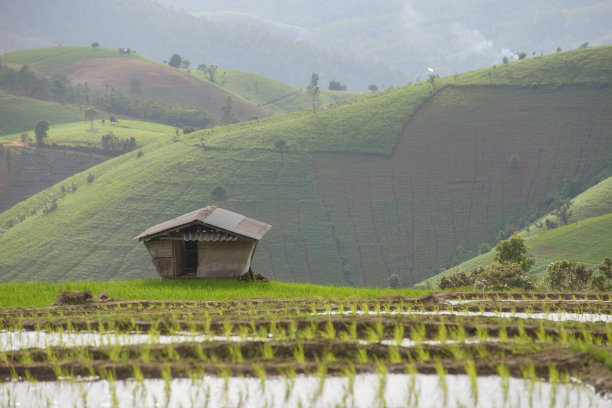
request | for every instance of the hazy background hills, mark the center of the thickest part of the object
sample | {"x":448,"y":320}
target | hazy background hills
{"x":357,"y":43}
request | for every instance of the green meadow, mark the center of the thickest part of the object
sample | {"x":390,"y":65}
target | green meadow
{"x":81,"y":133}
{"x":36,"y":294}
{"x":19,"y":114}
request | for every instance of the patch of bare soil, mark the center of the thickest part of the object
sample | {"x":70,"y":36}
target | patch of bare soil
{"x":159,"y":82}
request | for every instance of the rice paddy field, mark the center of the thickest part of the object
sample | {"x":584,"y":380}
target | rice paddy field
{"x":257,"y":347}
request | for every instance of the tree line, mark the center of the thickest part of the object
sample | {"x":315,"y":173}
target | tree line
{"x":511,"y":267}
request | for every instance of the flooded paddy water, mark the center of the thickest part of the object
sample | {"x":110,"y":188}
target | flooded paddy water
{"x":363,"y":390}
{"x":443,"y":350}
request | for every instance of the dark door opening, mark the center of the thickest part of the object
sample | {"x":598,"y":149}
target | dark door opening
{"x":191,"y":257}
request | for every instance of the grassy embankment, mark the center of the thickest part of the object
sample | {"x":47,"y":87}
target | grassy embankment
{"x":353,"y":192}
{"x":35,"y":294}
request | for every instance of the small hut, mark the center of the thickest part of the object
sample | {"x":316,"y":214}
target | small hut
{"x":207,"y":243}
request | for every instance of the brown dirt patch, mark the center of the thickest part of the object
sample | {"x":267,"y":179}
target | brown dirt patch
{"x":159,"y":82}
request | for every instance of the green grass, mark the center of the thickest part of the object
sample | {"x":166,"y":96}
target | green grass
{"x":36,"y":294}
{"x":402,"y":181}
{"x":59,"y":56}
{"x":19,"y":114}
{"x":273,"y":95}
{"x":81,"y":133}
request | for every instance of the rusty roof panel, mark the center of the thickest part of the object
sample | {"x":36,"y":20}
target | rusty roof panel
{"x":216,"y":217}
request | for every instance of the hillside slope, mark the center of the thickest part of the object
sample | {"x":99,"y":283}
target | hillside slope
{"x":19,"y":114}
{"x":402,"y":181}
{"x":586,"y":238}
{"x":273,"y":95}
{"x":104,"y":69}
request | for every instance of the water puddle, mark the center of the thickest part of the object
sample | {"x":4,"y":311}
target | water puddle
{"x":363,"y":390}
{"x":552,"y":316}
{"x":455,"y":302}
{"x":16,"y":340}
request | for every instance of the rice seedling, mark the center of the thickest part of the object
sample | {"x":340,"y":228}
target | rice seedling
{"x":171,"y":353}
{"x":442,"y":384}
{"x":351,"y":331}
{"x":398,"y":333}
{"x":166,"y":374}
{"x":330,"y":331}
{"x":235,"y":352}
{"x":381,"y":371}
{"x":442,"y":333}
{"x":413,"y":390}
{"x":267,"y":351}
{"x":470,"y":369}
{"x":298,"y":352}
{"x":553,"y":377}
{"x":362,"y":356}
{"x":260,"y":373}
{"x":394,"y":355}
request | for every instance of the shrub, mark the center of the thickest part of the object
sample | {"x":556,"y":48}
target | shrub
{"x":394,"y":281}
{"x":550,"y":224}
{"x":567,"y":275}
{"x":90,"y":178}
{"x":513,"y":250}
{"x":483,"y":248}
{"x":188,"y":129}
{"x":503,"y":275}
{"x":219,"y":193}
{"x":456,"y":279}
{"x":603,"y":281}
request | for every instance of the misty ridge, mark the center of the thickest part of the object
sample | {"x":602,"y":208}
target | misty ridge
{"x":360,"y":43}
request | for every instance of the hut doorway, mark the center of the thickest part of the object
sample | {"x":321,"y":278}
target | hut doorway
{"x":191,"y":257}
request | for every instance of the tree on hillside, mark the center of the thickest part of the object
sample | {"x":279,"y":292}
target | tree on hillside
{"x":90,"y":113}
{"x":95,"y":44}
{"x":313,"y":91}
{"x":40,"y":130}
{"x":228,"y":115}
{"x":135,"y":88}
{"x":373,"y":88}
{"x":564,"y":211}
{"x":175,"y":61}
{"x":336,"y":86}
{"x":212,"y":71}
{"x":185,"y":63}
{"x":514,"y":250}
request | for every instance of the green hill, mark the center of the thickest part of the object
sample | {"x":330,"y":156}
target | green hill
{"x":71,"y":148}
{"x":19,"y":114}
{"x":106,"y":69}
{"x":585,"y":239}
{"x":403,"y":181}
{"x":273,"y":95}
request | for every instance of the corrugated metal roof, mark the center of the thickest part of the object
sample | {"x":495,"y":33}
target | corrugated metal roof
{"x":215,"y":217}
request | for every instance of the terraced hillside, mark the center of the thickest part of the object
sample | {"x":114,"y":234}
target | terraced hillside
{"x":402,"y":181}
{"x":103,"y":69}
{"x":25,"y":171}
